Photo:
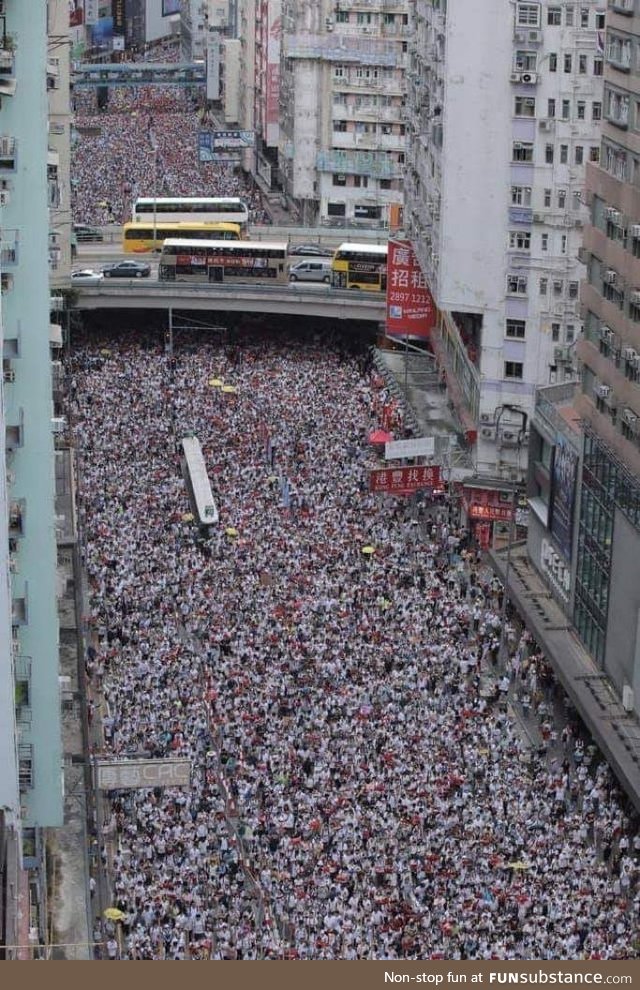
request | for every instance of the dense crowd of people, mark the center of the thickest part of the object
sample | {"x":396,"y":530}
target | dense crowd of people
{"x":145,"y":143}
{"x":361,"y":787}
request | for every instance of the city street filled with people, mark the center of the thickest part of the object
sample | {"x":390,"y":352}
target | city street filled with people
{"x":379,"y":769}
{"x":144,"y":142}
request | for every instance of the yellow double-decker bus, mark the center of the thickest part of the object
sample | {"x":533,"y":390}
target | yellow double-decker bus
{"x":360,"y":266}
{"x":140,"y":238}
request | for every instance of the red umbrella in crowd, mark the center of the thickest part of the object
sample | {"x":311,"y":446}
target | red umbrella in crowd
{"x":379,"y":437}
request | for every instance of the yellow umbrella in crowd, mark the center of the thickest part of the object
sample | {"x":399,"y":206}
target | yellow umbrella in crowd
{"x":188,"y":517}
{"x":229,"y":388}
{"x":518,"y":866}
{"x":216,"y":382}
{"x":231,"y":531}
{"x":105,"y":353}
{"x":114,"y":914}
{"x":368,"y":550}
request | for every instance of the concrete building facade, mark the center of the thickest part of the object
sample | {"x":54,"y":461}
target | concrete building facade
{"x":28,"y":416}
{"x":342,"y":129}
{"x":503,"y":110}
{"x":607,"y":607}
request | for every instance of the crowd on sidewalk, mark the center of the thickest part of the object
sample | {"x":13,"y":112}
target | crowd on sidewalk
{"x":360,"y":786}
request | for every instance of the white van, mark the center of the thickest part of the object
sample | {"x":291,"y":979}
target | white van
{"x":316,"y":270}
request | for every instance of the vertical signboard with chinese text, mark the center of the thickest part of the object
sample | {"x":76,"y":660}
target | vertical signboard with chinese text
{"x":411,"y":311}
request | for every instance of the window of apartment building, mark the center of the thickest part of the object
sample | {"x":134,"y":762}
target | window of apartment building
{"x":520,"y":240}
{"x":339,"y":72}
{"x":544,"y":242}
{"x":524,"y":106}
{"x":522,"y":151}
{"x":551,"y":108}
{"x":362,"y":17}
{"x":339,"y":180}
{"x":584,"y":17}
{"x":543,"y":286}
{"x":558,"y":286}
{"x":574,"y":289}
{"x":562,"y":198}
{"x":616,"y":106}
{"x":547,"y":198}
{"x":594,"y":153}
{"x":597,"y":66}
{"x":528,"y":14}
{"x":361,"y":181}
{"x":567,"y":63}
{"x":516,"y":329}
{"x":563,"y":244}
{"x":388,"y":18}
{"x":336,"y":209}
{"x":579,"y":154}
{"x":386,"y":184}
{"x":564,"y":154}
{"x":521,"y":195}
{"x":513,"y":369}
{"x":554,"y":16}
{"x":553,"y":62}
{"x":525,"y":61}
{"x":616,"y":161}
{"x":340,"y":125}
{"x":566,"y":109}
{"x":548,"y":154}
{"x":570,"y":333}
{"x":619,"y":51}
{"x":555,"y":332}
{"x":517,"y":285}
{"x":596,"y":110}
{"x":599,"y":21}
{"x":569,"y":13}
{"x":581,"y":110}
{"x":342,"y":17}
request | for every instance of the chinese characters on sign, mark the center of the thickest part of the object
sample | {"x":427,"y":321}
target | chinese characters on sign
{"x":404,"y":480}
{"x":411,"y":311}
{"x":130,"y":774}
{"x":489,"y":504}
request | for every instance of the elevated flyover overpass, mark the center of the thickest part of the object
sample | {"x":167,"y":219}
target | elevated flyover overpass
{"x":293,"y":300}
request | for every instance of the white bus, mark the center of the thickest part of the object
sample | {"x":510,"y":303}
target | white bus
{"x":218,"y":209}
{"x":196,"y":479}
{"x":186,"y":260}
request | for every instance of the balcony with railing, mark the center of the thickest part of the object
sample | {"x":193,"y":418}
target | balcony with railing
{"x":22,"y":675}
{"x":7,"y":63}
{"x":370,"y":142}
{"x":378,"y":166}
{"x":8,"y":153}
{"x":9,"y":254}
{"x":25,"y":766}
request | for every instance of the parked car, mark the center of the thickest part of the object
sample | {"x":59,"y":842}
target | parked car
{"x":127,"y":269}
{"x":311,"y":251}
{"x":86,"y":276}
{"x":311,"y":271}
{"x":86,"y":234}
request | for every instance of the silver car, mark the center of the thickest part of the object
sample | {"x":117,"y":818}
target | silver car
{"x":316,"y":270}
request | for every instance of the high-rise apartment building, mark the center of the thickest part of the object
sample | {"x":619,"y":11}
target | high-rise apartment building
{"x":607,"y":595}
{"x":58,"y":154}
{"x":503,"y":109}
{"x":24,"y":260}
{"x":342,"y":129}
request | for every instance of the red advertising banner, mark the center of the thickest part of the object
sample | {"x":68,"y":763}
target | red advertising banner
{"x":501,"y":513}
{"x":404,"y":480}
{"x":76,"y":13}
{"x":411,"y":311}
